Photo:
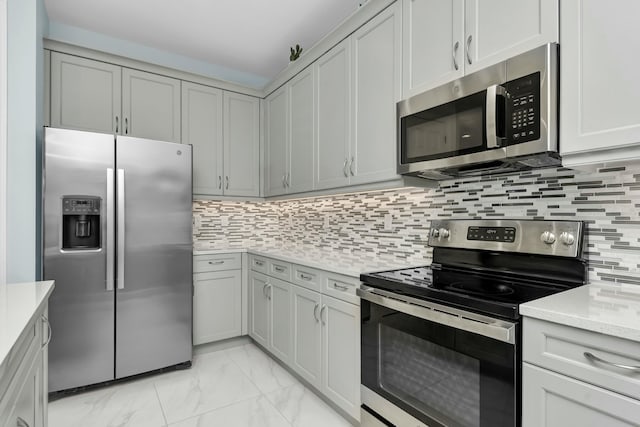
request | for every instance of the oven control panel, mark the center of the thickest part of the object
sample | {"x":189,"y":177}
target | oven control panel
{"x":554,"y":238}
{"x":492,"y":234}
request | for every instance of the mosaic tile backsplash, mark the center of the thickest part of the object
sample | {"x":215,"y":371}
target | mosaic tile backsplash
{"x":396,"y":222}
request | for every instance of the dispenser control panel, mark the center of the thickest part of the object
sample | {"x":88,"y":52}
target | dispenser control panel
{"x":80,"y":206}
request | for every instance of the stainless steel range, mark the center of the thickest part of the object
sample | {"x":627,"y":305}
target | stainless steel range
{"x":441,"y":344}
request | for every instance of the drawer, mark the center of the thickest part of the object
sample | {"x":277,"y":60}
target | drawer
{"x":562,"y":349}
{"x":279,"y":269}
{"x":306,"y":277}
{"x":341,"y":287}
{"x":218,"y":262}
{"x":258,"y":263}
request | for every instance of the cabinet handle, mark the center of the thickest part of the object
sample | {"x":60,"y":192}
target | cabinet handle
{"x":340,"y":287}
{"x":315,"y":311}
{"x":305,"y":277}
{"x":126,"y":126}
{"x":219,"y":182}
{"x":288,"y":180}
{"x":353,"y":160}
{"x":269,"y":291}
{"x":455,"y":55}
{"x":468,"y":47}
{"x":284,"y":183}
{"x":259,"y":263}
{"x":49,"y":334}
{"x":21,"y":423}
{"x":595,"y":359}
{"x":216,"y":262}
{"x":116,"y":124}
{"x":227,"y":182}
{"x":344,"y":168}
{"x":279,"y":269}
{"x":321,"y":311}
{"x":264,"y":290}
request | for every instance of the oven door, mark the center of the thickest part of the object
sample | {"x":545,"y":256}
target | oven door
{"x":438,"y":365}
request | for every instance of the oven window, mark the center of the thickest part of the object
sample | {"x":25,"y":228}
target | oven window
{"x":430,"y":377}
{"x":448,"y":130}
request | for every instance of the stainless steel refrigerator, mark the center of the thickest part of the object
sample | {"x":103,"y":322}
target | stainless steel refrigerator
{"x":117,"y":241}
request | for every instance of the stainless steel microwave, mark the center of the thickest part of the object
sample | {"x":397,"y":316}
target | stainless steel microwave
{"x":500,"y":119}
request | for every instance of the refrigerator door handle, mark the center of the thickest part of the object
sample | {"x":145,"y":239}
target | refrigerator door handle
{"x":121,"y":218}
{"x":110,"y":241}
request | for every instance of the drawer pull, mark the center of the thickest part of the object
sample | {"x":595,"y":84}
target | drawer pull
{"x":305,"y":277}
{"x":279,"y":269}
{"x":216,"y":262}
{"x":596,"y":359}
{"x":46,"y":321}
{"x":259,"y":263}
{"x":315,"y":312}
{"x":340,"y":287}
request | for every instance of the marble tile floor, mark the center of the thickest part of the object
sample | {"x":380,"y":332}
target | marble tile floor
{"x":235,"y":387}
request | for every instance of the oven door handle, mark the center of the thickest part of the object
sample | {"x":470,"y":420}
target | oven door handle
{"x":471,"y":322}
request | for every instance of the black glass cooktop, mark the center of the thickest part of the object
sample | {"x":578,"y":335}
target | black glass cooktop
{"x":487,"y":294}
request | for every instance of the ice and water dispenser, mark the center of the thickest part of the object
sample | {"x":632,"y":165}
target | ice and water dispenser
{"x":80,"y":222}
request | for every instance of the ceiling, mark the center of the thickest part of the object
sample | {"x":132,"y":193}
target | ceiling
{"x":250,"y":36}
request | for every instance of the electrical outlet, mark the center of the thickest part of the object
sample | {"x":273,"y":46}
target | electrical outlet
{"x":387,"y":222}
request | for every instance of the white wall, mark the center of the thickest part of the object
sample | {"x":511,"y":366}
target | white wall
{"x":25,"y":26}
{"x":3,"y":138}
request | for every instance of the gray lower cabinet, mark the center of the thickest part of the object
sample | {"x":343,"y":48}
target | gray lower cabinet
{"x":315,"y":316}
{"x":554,"y":400}
{"x":23,"y":380}
{"x":568,"y":377}
{"x":217,"y":297}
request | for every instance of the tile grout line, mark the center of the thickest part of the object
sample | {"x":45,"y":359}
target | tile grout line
{"x":166,"y":421}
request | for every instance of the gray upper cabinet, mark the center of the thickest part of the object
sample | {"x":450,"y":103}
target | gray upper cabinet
{"x":277,"y":142}
{"x":223,"y":129}
{"x":202,"y":128}
{"x":376,"y":70}
{"x":289,"y":136}
{"x":241,"y":152}
{"x":85,"y":94}
{"x":150,"y":105}
{"x":100,"y":97}
{"x":333,"y":95}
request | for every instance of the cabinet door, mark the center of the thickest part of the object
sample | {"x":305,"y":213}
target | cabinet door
{"x":341,"y":353}
{"x":217,"y":309}
{"x":307,"y":335}
{"x":599,"y":86}
{"x":333,"y":117}
{"x":241,"y":145}
{"x":279,"y":294}
{"x":276,"y":150}
{"x":553,"y":400}
{"x":202,"y":128}
{"x":85,"y":94}
{"x":499,"y":29}
{"x":150,"y":106}
{"x":433,"y":43}
{"x":301,"y":131}
{"x":376,"y":53}
{"x":259,"y":306}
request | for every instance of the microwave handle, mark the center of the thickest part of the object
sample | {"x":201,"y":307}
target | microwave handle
{"x":493,"y":140}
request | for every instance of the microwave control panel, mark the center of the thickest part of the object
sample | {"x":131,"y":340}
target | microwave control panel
{"x":523,"y":109}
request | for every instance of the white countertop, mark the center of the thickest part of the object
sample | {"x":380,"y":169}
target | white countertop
{"x":352,"y":263}
{"x":607,"y":309}
{"x":18,"y":305}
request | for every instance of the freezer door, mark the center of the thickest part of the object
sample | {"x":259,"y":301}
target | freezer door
{"x":81,"y":308}
{"x":154,"y":259}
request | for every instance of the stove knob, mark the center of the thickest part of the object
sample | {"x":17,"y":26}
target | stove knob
{"x":567,"y":238}
{"x":548,"y":237}
{"x":435,"y":232}
{"x":444,"y":233}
